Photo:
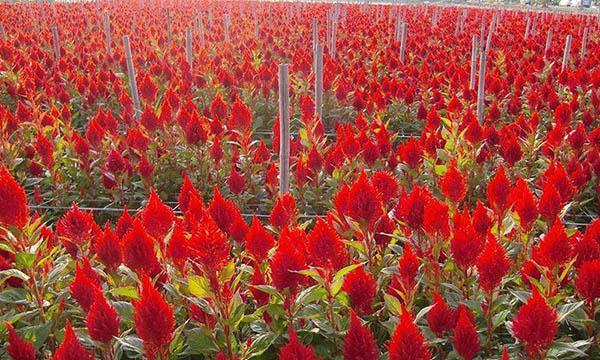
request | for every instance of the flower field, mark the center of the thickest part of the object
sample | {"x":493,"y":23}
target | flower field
{"x":430,"y":192}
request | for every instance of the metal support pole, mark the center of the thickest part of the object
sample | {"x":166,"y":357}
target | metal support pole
{"x":284,"y":130}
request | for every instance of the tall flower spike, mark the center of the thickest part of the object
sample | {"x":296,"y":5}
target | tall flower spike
{"x":14,"y":210}
{"x":492,"y":265}
{"x":407,"y":342}
{"x":359,"y":343}
{"x":440,"y":318}
{"x":102,"y":320}
{"x":466,"y":339}
{"x":83,"y":289}
{"x":535,"y":325}
{"x":295,"y":350}
{"x":452,"y":185}
{"x":364,"y":202}
{"x":71,"y":348}
{"x":258,"y":240}
{"x":498,"y":191}
{"x":18,"y":349}
{"x":325,"y":247}
{"x":361,"y":289}
{"x":588,"y":280}
{"x":153,"y":317}
{"x":157,"y":217}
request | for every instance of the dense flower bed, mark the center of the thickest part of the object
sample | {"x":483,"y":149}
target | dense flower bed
{"x":411,"y":230}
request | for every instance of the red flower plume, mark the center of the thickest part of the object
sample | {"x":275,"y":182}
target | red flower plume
{"x":407,"y":342}
{"x":359,"y":343}
{"x":361,"y":289}
{"x":284,"y":264}
{"x":14,"y":210}
{"x":138,"y":251}
{"x":440,"y":318}
{"x":535,"y":325}
{"x":157,"y":217}
{"x":466,"y":339}
{"x":71,"y":348}
{"x":154,"y":320}
{"x":452,"y":185}
{"x":492,"y":265}
{"x":283,"y":212}
{"x":295,"y":350}
{"x":258,"y":240}
{"x":209,"y":246}
{"x":241,"y":116}
{"x":408,"y":266}
{"x":498,"y":191}
{"x":84,"y":289}
{"x":555,"y":248}
{"x":102,"y":320}
{"x":325,"y":247}
{"x":108,"y":248}
{"x":588,"y":280}
{"x":18,"y":349}
{"x":364,"y":203}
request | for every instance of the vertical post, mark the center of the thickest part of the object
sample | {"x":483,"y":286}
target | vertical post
{"x":473,"y":63}
{"x":227,"y":19}
{"x":319,"y":81}
{"x":403,"y":42}
{"x":168,"y":29}
{"x":565,"y":62}
{"x":548,"y":43}
{"x":584,"y":41}
{"x":284,"y":130}
{"x":256,"y":29}
{"x":526,"y":35}
{"x":188,"y":47}
{"x":201,"y":25}
{"x":55,"y":42}
{"x":481,"y":85}
{"x":2,"y":33}
{"x":107,"y":32}
{"x":131,"y":74}
{"x":315,"y":34}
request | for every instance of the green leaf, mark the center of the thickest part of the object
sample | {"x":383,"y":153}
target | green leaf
{"x":200,"y":287}
{"x":12,"y":273}
{"x":126,"y":291}
{"x":24,"y":260}
{"x":13,"y":296}
{"x":227,"y":273}
{"x":37,"y":334}
{"x":342,"y":272}
{"x":261,"y":344}
{"x":310,"y":295}
{"x":199,"y":342}
{"x":567,"y":309}
{"x":392,"y":304}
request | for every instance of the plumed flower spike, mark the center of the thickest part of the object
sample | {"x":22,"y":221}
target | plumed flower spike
{"x":71,"y":348}
{"x":359,"y":343}
{"x":102,"y":320}
{"x":283,"y":212}
{"x":285,"y":264}
{"x":186,"y":193}
{"x":452,"y":185}
{"x":108,"y":248}
{"x":588,"y":280}
{"x":83,"y":289}
{"x":466,"y":339}
{"x":325,"y":247}
{"x":153,"y":317}
{"x":535,"y":325}
{"x":138,"y":251}
{"x":407,"y":342}
{"x":295,"y":350}
{"x":364,"y":202}
{"x":208,"y":246}
{"x":492,"y":265}
{"x":440,"y":318}
{"x":18,"y":349}
{"x":555,"y":248}
{"x":157,"y":217}
{"x":258,"y":240}
{"x":14,"y":210}
{"x":361,"y":289}
{"x":498,"y":191}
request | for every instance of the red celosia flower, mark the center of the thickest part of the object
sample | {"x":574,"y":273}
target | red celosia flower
{"x":284,"y":264}
{"x":535,"y":325}
{"x":222,"y":211}
{"x":466,"y":339}
{"x":75,"y":229}
{"x":588,"y":280}
{"x":177,"y":249}
{"x":452,"y":184}
{"x":550,"y":202}
{"x":258,"y":240}
{"x":359,"y":343}
{"x":209,"y":246}
{"x":492,"y":265}
{"x":108,"y":248}
{"x":364,"y":203}
{"x":524,"y":204}
{"x":498,"y":191}
{"x":241,"y":116}
{"x":411,"y":153}
{"x":157,"y":218}
{"x":138,"y":251}
{"x":466,"y":243}
{"x":407,"y":342}
{"x":481,"y":220}
{"x":283,"y":212}
{"x":387,"y":185}
{"x":411,"y":207}
{"x":148,"y":89}
{"x":154,"y":320}
{"x":236,"y":182}
{"x":555,"y":248}
{"x":408,"y":266}
{"x":14,"y":210}
{"x":218,"y":108}
{"x":149,"y":120}
{"x":17,"y":348}
{"x":361,"y":289}
{"x":71,"y":348}
{"x":435,"y":219}
{"x":124,"y":224}
{"x":440,"y":318}
{"x":102,"y":320}
{"x":186,"y":193}
{"x":325,"y":247}
{"x":83,"y":288}
{"x":295,"y":350}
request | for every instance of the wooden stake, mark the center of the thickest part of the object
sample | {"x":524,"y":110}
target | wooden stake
{"x":168,"y":29}
{"x":131,"y":74}
{"x":55,"y":42}
{"x":548,"y":43}
{"x":474,"y":49}
{"x":565,"y":62}
{"x":315,"y":34}
{"x":201,"y":25}
{"x":284,"y":130}
{"x":319,"y":81}
{"x":107,"y":38}
{"x":403,"y":43}
{"x":584,"y":41}
{"x":188,"y":47}
{"x":227,"y":20}
{"x":2,"y":32}
{"x":481,"y":85}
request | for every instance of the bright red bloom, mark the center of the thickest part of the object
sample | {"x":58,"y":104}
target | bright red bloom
{"x":535,"y":325}
{"x":138,"y":251}
{"x":83,"y":288}
{"x":283,"y":212}
{"x":408,"y":266}
{"x":481,"y":220}
{"x":407,"y":342}
{"x":284,"y":264}
{"x":124,"y":224}
{"x":453,"y":184}
{"x":258,"y":240}
{"x":361,"y":289}
{"x":435,"y":218}
{"x":498,"y":191}
{"x":14,"y":210}
{"x":157,"y":217}
{"x":186,"y":193}
{"x":71,"y":348}
{"x":466,"y":243}
{"x":241,"y":116}
{"x":555,"y":248}
{"x":359,"y":343}
{"x":364,"y":203}
{"x":440,"y":318}
{"x":411,"y":207}
{"x":295,"y":350}
{"x":325,"y":247}
{"x":17,"y":348}
{"x":492,"y":265}
{"x":222,"y":211}
{"x":387,"y":185}
{"x":218,"y":108}
{"x":153,"y":317}
{"x":236,"y":181}
{"x":102,"y":320}
{"x":550,"y":202}
{"x":75,"y":229}
{"x":209,"y":246}
{"x":411,"y":153}
{"x":588,"y":280}
{"x":149,"y":120}
{"x":524,"y":204}
{"x":108,"y":248}
{"x":466,"y":339}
